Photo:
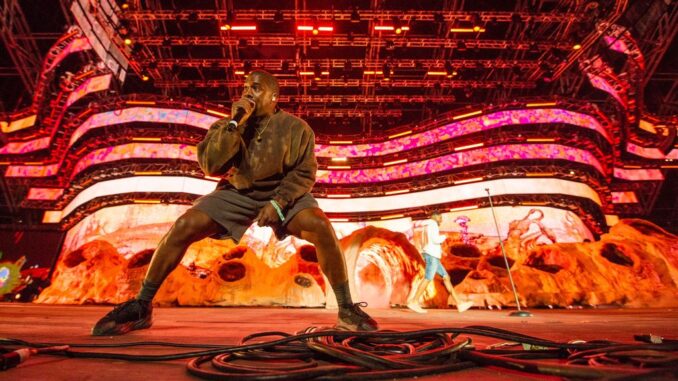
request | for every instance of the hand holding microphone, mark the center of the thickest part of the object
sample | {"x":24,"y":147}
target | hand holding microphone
{"x":241,"y":110}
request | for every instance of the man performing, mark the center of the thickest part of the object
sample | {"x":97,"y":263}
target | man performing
{"x":268,"y":166}
{"x":432,"y":253}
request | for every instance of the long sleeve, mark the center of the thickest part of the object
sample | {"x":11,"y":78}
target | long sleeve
{"x":301,"y":177}
{"x":219,"y":147}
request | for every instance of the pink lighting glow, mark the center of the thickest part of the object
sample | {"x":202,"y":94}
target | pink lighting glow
{"x":459,"y":160}
{"x":143,"y":114}
{"x":339,"y":174}
{"x":91,"y":85}
{"x":461,"y":128}
{"x":336,"y":148}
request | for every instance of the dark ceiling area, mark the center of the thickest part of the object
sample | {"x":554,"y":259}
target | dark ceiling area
{"x":384,"y":67}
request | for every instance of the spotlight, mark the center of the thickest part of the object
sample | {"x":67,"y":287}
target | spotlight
{"x":144,"y":76}
{"x":477,"y":22}
{"x":128,"y":41}
{"x":576,"y":46}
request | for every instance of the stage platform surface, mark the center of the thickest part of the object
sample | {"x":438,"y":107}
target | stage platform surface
{"x":71,"y":324}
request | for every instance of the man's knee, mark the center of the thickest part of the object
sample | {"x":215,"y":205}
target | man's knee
{"x":319,"y":224}
{"x":191,"y":226}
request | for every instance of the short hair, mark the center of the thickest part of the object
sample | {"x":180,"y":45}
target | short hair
{"x":270,"y":79}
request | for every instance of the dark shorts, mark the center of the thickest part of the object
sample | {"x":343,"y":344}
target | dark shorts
{"x":235,"y":212}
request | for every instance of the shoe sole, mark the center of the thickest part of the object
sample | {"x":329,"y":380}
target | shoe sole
{"x":353,"y":327}
{"x":417,"y":309}
{"x":121,"y":329}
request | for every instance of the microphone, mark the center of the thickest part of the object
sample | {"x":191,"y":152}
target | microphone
{"x":239,"y":114}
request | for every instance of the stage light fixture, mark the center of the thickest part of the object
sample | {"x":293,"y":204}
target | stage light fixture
{"x":348,"y":66}
{"x":317,"y":71}
{"x":461,"y":46}
{"x":278,"y":16}
{"x":228,"y":23}
{"x":355,"y":16}
{"x":477,"y":22}
{"x":576,"y":46}
{"x":387,"y":71}
{"x":128,"y":41}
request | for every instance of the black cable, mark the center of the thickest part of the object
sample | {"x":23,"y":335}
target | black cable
{"x":324,"y":354}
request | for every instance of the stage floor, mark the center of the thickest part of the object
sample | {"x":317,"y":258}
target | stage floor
{"x":71,"y":324}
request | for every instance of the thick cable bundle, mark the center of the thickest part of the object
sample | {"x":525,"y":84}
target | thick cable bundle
{"x":325,"y":354}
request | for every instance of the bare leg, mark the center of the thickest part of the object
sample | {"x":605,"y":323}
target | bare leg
{"x":192,"y":226}
{"x":312,"y":225}
{"x":137,"y":313}
{"x":461,"y":306}
{"x":413,"y":303}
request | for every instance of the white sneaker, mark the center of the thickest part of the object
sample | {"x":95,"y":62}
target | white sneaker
{"x":463,"y":306}
{"x":416,"y":308}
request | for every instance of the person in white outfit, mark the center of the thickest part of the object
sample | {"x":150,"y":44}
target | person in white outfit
{"x":432,"y":253}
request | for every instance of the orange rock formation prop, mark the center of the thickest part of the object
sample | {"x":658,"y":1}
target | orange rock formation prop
{"x":635,"y":264}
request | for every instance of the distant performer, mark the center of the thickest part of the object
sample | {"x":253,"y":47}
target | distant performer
{"x":265,"y":158}
{"x":432,"y":254}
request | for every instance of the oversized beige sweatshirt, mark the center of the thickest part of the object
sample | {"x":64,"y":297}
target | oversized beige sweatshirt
{"x":282,"y":166}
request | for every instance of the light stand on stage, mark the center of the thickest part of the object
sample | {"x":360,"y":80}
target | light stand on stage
{"x":519,"y":313}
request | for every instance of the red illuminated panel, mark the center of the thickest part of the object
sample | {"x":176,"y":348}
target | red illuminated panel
{"x":459,"y":160}
{"x":638,"y":174}
{"x":18,"y":124}
{"x":91,"y":85}
{"x":461,"y":128}
{"x":44,"y":193}
{"x":624,"y":197}
{"x":24,"y":147}
{"x":650,"y":153}
{"x":143,"y":114}
{"x":449,"y":131}
{"x":32,"y":170}
{"x":136,"y":150}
